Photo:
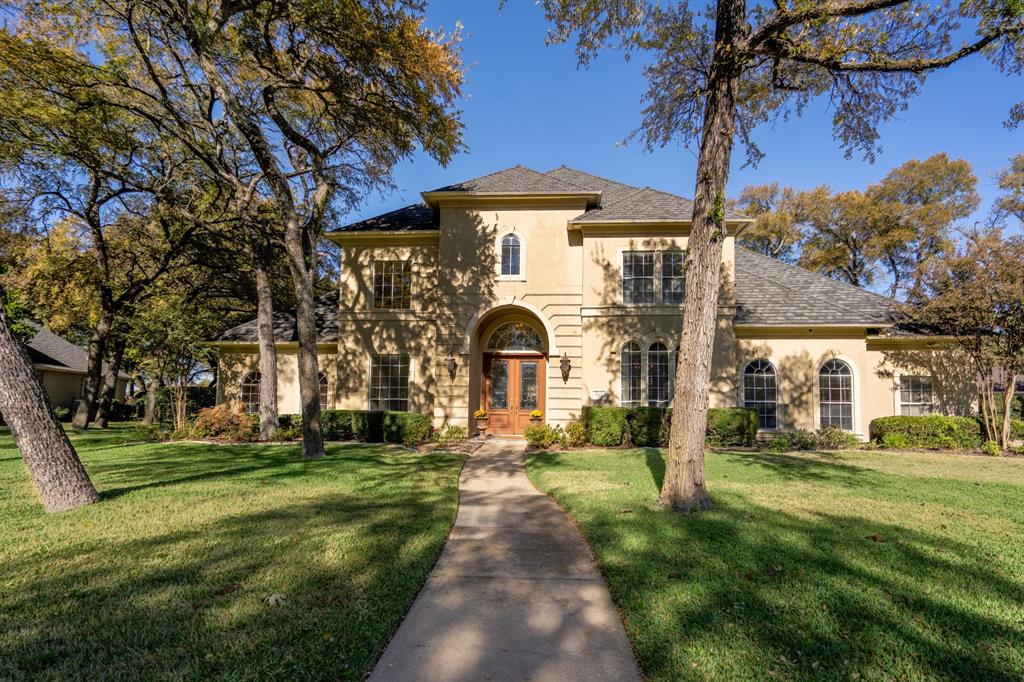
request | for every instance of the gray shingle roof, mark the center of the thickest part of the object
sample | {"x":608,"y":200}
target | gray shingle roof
{"x":405,"y":219}
{"x":285,"y":328}
{"x":611,"y":191}
{"x":646,"y":204}
{"x":514,"y":180}
{"x":46,"y":348}
{"x":770,"y":292}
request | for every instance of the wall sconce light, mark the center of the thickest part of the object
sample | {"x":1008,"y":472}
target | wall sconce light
{"x":565,"y":364}
{"x":452,"y":365}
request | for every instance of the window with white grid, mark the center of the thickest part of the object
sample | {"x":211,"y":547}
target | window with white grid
{"x":672,"y":277}
{"x":660,"y":366}
{"x":637,"y":277}
{"x":915,"y":396}
{"x":392,"y":285}
{"x":251,"y":393}
{"x":835,"y":395}
{"x":389,"y":382}
{"x":630,"y":368}
{"x":760,"y":392}
{"x":511,"y":251}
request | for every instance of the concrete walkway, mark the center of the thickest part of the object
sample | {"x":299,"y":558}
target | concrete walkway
{"x":515,"y":595}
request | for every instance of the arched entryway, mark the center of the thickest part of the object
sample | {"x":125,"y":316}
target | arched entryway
{"x":510,"y":348}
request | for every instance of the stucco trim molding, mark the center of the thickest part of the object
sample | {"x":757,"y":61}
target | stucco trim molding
{"x":511,"y":304}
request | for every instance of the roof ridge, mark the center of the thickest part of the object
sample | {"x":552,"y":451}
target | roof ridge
{"x":594,"y":175}
{"x":801,"y":268}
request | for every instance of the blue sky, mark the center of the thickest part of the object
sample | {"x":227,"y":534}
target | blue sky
{"x":528,"y":103}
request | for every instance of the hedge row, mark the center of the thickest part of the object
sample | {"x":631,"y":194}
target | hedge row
{"x":650,"y":426}
{"x":927,"y":432}
{"x":369,"y":426}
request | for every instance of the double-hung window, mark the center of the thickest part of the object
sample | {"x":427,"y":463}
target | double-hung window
{"x":650,"y":277}
{"x":392,"y":285}
{"x":915,"y":396}
{"x":389,"y":382}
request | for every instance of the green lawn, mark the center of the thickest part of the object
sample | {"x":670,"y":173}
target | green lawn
{"x":166,"y":577}
{"x":856,"y":565}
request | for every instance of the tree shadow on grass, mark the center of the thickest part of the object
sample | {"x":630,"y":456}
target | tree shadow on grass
{"x":184,"y":598}
{"x":751,"y":591}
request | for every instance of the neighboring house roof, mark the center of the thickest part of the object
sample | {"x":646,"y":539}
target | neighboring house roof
{"x":285,"y":327}
{"x":46,"y":348}
{"x":409,"y":218}
{"x":770,"y":292}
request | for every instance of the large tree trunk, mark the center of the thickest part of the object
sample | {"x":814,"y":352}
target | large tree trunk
{"x":113,"y":369}
{"x":684,"y":486}
{"x":86,"y":411}
{"x":57,"y":473}
{"x":268,"y":351}
{"x":152,"y":399}
{"x":302,"y":263}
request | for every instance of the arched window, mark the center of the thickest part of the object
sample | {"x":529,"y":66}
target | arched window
{"x":659,"y":372}
{"x":323,"y":391}
{"x":760,"y":392}
{"x":251,"y":392}
{"x":515,"y":336}
{"x":630,"y":364}
{"x":511,"y":252}
{"x":835,"y":395}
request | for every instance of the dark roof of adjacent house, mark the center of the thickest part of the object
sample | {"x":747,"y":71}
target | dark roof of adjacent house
{"x":770,"y":292}
{"x":285,"y":325}
{"x":46,"y":348}
{"x":619,"y":202}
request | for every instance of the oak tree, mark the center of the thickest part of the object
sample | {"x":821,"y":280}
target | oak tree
{"x":718,"y":71}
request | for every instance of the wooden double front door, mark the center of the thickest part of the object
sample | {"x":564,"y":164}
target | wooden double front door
{"x":513,"y":386}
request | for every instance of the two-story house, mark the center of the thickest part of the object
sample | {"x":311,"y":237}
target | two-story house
{"x":522,"y":291}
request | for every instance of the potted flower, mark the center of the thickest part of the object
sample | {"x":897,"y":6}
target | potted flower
{"x":481,"y":421}
{"x":536,"y":416}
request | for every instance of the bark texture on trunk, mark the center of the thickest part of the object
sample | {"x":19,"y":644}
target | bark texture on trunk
{"x":684,"y":487}
{"x":86,"y":411}
{"x":152,"y":399}
{"x":109,"y":385}
{"x":1008,"y":394}
{"x":56,"y":472}
{"x":268,"y":351}
{"x":302,"y":265}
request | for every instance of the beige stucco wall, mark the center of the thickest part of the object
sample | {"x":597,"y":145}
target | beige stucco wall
{"x":63,"y":388}
{"x":798,"y":354}
{"x":235,"y":363}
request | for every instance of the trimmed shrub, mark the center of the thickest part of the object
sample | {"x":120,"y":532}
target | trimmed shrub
{"x":1017,"y":429}
{"x":929,"y":432}
{"x":543,"y":436}
{"x":896,"y":440}
{"x":650,"y":426}
{"x":732,"y":426}
{"x":800,"y":439}
{"x":337,"y":424}
{"x":407,"y":428}
{"x":450,"y":435}
{"x":605,"y":426}
{"x":575,"y":434}
{"x":368,"y":426}
{"x":992,"y":449}
{"x":834,"y":438}
{"x":63,"y":414}
{"x":644,"y":425}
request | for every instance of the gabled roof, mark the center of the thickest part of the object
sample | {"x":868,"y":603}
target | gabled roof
{"x":414,"y":217}
{"x":611,"y":191}
{"x":285,"y":326}
{"x":516,"y":180}
{"x":770,"y":292}
{"x":46,"y":348}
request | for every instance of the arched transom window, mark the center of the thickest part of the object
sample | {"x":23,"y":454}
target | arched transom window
{"x":515,"y":336}
{"x":835,"y":395}
{"x":511,"y":255}
{"x":251,"y":392}
{"x":760,"y":392}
